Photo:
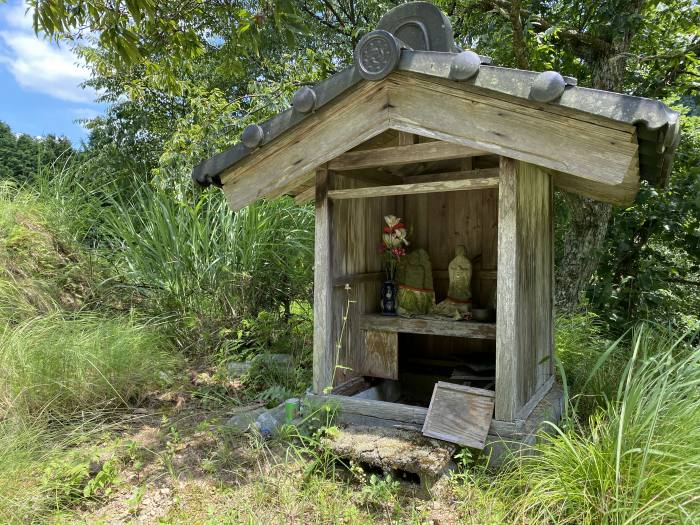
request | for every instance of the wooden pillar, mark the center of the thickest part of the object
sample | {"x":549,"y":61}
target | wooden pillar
{"x":524,"y":332}
{"x":324,"y":354}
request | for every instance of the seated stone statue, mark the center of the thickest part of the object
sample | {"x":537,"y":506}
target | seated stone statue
{"x":458,"y":303}
{"x":415,"y":277}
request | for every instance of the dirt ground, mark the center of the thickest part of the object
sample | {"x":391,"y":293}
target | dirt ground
{"x":177,"y":462}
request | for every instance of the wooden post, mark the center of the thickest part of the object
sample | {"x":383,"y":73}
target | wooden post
{"x":524,"y":332}
{"x":324,"y":353}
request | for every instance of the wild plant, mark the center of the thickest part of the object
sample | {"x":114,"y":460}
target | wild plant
{"x":635,"y":460}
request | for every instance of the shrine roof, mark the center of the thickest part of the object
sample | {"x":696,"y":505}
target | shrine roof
{"x":417,"y":38}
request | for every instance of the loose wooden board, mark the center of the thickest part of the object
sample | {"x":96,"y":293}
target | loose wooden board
{"x":459,"y":414}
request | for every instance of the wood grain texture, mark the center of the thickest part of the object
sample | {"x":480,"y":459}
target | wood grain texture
{"x":355,"y":237}
{"x":566,"y":142}
{"x":380,"y":356}
{"x":558,"y":142}
{"x":459,"y":414}
{"x":539,"y":394}
{"x":305,"y":196}
{"x":337,"y":127}
{"x":440,"y":327}
{"x":524,"y":338}
{"x":400,"y":155}
{"x":483,"y":173}
{"x":415,"y":188}
{"x":324,"y":354}
{"x":398,"y":413}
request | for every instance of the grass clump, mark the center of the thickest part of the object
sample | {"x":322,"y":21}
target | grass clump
{"x":637,"y":459}
{"x":60,"y":365}
{"x":42,"y":268}
{"x":207,"y":266}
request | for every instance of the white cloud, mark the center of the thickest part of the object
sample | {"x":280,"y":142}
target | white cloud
{"x":38,"y":64}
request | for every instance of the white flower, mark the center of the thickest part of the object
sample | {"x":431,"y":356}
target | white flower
{"x":392,"y":220}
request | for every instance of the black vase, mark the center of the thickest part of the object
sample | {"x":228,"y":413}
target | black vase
{"x":387,"y":303}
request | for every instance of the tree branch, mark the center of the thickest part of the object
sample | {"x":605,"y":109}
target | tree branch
{"x":519,"y":46}
{"x":508,"y":8}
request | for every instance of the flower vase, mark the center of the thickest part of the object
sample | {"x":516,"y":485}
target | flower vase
{"x":388,"y":300}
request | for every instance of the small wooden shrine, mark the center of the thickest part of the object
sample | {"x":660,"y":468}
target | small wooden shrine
{"x":468,"y":154}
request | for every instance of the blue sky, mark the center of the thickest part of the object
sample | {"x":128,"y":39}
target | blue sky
{"x":39,"y":81}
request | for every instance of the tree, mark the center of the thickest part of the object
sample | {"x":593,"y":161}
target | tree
{"x":184,"y":78}
{"x":646,"y":48}
{"x":22,"y":155}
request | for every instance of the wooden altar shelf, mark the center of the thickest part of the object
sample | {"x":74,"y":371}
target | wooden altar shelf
{"x":468,"y":329}
{"x":414,"y":189}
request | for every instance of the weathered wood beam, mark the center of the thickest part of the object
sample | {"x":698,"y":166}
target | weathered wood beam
{"x":400,"y":155}
{"x":482,"y":173}
{"x":468,"y":329}
{"x":524,"y":336}
{"x":398,"y":413}
{"x":323,"y":354}
{"x":414,"y":189}
{"x":515,"y":130}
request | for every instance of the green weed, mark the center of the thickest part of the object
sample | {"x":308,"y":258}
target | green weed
{"x":61,"y":366}
{"x":636,"y":460}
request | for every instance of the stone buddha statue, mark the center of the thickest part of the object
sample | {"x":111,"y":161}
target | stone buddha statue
{"x":458,"y":303}
{"x":414,"y":274}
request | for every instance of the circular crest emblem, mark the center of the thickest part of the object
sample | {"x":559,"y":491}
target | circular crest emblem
{"x":377,"y":54}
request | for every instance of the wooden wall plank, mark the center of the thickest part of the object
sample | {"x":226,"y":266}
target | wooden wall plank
{"x":524,"y":335}
{"x":356,"y":236}
{"x":324,"y":355}
{"x":380,"y":355}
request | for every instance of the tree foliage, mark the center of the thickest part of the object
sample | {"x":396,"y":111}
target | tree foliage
{"x":22,"y":155}
{"x":182,"y":80}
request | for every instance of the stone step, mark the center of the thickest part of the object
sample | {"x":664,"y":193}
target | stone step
{"x":394,"y":451}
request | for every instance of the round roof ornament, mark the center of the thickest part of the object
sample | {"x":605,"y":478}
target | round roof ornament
{"x":377,"y":54}
{"x":252,"y":136}
{"x":465,"y":65}
{"x":547,"y":86}
{"x":304,"y":99}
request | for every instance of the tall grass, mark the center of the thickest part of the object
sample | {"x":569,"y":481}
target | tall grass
{"x":58,"y":366}
{"x":635,"y":461}
{"x":210,"y":266}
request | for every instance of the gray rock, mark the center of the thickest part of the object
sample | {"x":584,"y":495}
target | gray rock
{"x":237,"y":369}
{"x":279,"y":360}
{"x":243,"y":422}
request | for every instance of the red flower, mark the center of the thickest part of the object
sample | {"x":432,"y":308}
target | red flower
{"x":387,"y":229}
{"x":399,"y":226}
